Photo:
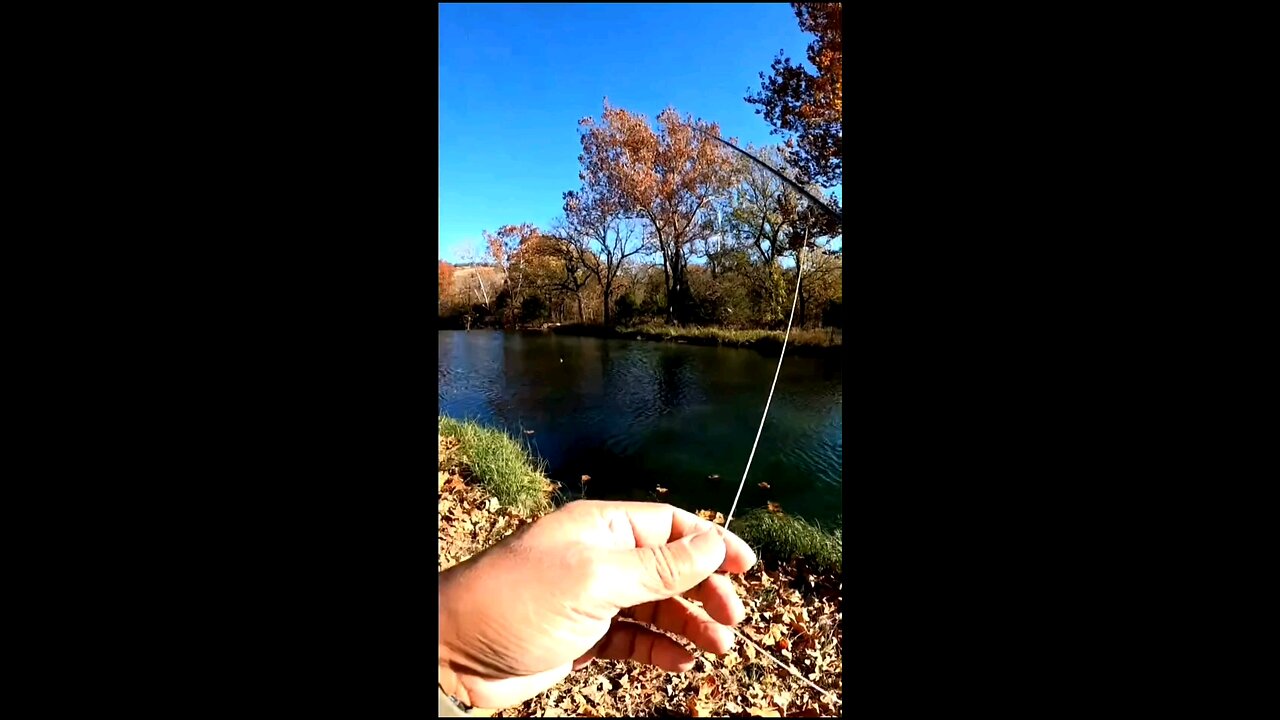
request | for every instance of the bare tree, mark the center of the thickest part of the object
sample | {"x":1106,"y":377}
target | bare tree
{"x":600,"y":237}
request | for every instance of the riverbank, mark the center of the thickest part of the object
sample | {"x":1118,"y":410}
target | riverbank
{"x":826,"y":340}
{"x":490,"y":486}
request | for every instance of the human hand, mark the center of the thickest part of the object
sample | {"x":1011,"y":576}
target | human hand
{"x":520,"y":616}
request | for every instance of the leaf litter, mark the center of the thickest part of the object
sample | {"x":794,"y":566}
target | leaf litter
{"x":792,"y":611}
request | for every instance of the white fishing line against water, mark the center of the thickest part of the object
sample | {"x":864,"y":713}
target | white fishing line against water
{"x":772,"y":387}
{"x":799,"y":269}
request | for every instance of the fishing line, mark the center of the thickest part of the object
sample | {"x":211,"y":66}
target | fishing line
{"x":791,"y":668}
{"x":769,"y":400}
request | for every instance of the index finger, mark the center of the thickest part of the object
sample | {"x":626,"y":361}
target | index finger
{"x":654,"y":524}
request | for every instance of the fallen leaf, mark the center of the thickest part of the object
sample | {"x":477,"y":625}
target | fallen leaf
{"x":662,"y":490}
{"x":774,"y":507}
{"x":764,"y":485}
{"x":763,"y":712}
{"x":528,"y":432}
{"x":713,"y":477}
{"x":716,"y":517}
{"x":697,"y":708}
{"x":586,"y":478}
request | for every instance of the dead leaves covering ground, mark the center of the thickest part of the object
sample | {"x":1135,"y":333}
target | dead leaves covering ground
{"x":793,"y":615}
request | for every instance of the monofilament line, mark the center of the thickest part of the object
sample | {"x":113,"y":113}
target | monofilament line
{"x":825,"y":693}
{"x":765,"y":414}
{"x":747,"y":470}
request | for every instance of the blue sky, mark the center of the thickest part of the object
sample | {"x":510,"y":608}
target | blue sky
{"x":515,"y":80}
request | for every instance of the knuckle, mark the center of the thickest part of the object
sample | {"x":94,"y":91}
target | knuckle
{"x":665,"y":568}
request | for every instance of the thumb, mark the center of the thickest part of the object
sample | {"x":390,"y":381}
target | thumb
{"x":658,"y":572}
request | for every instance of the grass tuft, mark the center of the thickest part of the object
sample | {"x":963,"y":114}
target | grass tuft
{"x":783,"y":537}
{"x":500,"y":463}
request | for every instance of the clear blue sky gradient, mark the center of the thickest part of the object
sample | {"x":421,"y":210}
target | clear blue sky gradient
{"x":515,"y":80}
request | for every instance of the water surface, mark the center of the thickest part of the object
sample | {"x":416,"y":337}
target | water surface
{"x":635,"y":415}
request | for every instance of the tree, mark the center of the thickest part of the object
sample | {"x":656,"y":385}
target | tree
{"x":813,"y":230}
{"x":768,"y":219}
{"x":668,"y":178}
{"x":599,"y":237}
{"x":503,"y":246}
{"x":808,"y":105}
{"x":473,"y":258}
{"x":551,"y":265}
{"x":445,"y":282}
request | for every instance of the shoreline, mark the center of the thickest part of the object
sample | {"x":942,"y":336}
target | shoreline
{"x":500,"y":466}
{"x":825,"y":341}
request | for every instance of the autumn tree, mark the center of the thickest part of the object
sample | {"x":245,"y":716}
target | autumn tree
{"x":807,"y":105}
{"x":768,"y":220}
{"x":599,"y":237}
{"x":669,"y":178}
{"x":503,"y":246}
{"x":820,"y":285}
{"x":813,"y":231}
{"x":445,"y":280}
{"x":759,"y":217}
{"x":553,"y":266}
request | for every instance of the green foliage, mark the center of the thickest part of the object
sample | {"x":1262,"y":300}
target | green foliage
{"x":626,"y":310}
{"x":781,"y":537}
{"x":501,"y":464}
{"x":533,"y":309}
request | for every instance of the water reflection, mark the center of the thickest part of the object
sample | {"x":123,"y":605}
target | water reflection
{"x":637,"y":414}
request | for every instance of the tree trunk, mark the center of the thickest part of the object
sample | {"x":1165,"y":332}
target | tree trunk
{"x":802,"y":303}
{"x":608,"y":293}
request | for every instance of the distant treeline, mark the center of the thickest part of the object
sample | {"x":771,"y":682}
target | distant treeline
{"x":668,"y":226}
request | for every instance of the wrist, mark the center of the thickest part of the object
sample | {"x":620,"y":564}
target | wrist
{"x":448,"y":678}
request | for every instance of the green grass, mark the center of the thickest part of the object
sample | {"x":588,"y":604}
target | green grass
{"x":782,"y":537}
{"x":822,"y":338}
{"x":501,"y":464}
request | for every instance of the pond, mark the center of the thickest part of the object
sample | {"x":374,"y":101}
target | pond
{"x":635,"y":415}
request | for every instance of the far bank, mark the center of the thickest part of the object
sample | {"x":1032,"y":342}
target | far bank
{"x":807,"y":341}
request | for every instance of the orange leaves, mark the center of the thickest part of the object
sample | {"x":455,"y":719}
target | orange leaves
{"x":666,"y":174}
{"x":810,"y":105}
{"x":764,"y":486}
{"x":774,"y":507}
{"x":715,"y":517}
{"x":706,"y":701}
{"x":445,"y":279}
{"x":504,"y":244}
